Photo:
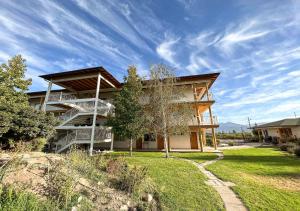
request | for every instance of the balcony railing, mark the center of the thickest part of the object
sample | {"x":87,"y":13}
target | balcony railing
{"x":54,"y":97}
{"x":205,"y":120}
{"x":210,"y":97}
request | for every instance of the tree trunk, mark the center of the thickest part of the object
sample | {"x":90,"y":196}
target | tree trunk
{"x":130,"y":153}
{"x":166,"y":145}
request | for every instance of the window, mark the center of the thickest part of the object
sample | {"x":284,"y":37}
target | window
{"x":118,"y":138}
{"x":149,"y":137}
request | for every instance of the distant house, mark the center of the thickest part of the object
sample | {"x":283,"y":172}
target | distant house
{"x":87,"y":99}
{"x":282,"y":129}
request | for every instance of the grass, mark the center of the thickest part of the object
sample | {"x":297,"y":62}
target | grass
{"x":265,"y":178}
{"x":20,"y":200}
{"x":181,"y":186}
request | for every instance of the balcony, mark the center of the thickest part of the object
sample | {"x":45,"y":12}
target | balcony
{"x":210,"y":97}
{"x":204,"y":121}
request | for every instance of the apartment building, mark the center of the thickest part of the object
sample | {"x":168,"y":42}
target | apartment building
{"x":87,"y":98}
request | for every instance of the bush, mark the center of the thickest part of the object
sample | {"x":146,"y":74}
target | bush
{"x":231,"y":143}
{"x":21,"y":146}
{"x":38,"y":144}
{"x":132,"y":179}
{"x":209,"y":141}
{"x":291,"y":147}
{"x":116,"y":166}
{"x":297,"y":151}
{"x":284,"y":147}
{"x":61,"y":184}
{"x":90,"y":167}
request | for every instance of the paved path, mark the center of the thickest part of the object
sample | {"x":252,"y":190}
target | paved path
{"x":230,"y":199}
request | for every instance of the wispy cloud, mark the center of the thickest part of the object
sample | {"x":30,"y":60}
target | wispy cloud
{"x":166,"y":50}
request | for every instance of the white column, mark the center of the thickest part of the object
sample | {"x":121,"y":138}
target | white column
{"x":47,"y":96}
{"x":95,"y":115}
{"x":112,"y":142}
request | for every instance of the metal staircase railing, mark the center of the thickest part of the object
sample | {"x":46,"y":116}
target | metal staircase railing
{"x":83,"y":136}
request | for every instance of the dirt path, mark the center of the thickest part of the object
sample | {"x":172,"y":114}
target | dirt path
{"x":230,"y":199}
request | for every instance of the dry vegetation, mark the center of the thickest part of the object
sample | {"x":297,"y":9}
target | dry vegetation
{"x":73,"y":181}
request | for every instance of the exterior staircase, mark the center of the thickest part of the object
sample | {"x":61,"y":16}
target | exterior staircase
{"x":76,"y":124}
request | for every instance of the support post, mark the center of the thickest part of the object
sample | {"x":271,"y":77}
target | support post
{"x":47,"y":96}
{"x":112,"y":142}
{"x":199,"y":136}
{"x":95,"y":115}
{"x":211,"y":122}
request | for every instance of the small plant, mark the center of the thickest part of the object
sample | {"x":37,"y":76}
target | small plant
{"x":38,"y":144}
{"x":297,"y":151}
{"x":284,"y":147}
{"x":10,"y":199}
{"x":231,"y":143}
{"x":291,"y":147}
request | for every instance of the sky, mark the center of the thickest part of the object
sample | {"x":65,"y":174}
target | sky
{"x":255,"y":45}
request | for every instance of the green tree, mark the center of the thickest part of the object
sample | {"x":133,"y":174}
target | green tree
{"x":18,"y":120}
{"x":128,"y":119}
{"x":31,"y":124}
{"x":12,"y":91}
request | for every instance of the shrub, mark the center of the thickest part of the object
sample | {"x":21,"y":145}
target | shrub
{"x":131,"y":178}
{"x":85,"y":165}
{"x":115,"y":166}
{"x":284,"y":147}
{"x":231,"y":143}
{"x":297,"y":151}
{"x":209,"y":141}
{"x":38,"y":144}
{"x":291,"y":147}
{"x":61,"y":184}
{"x":21,"y":146}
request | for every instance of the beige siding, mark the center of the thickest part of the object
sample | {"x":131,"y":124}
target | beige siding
{"x":180,"y":142}
{"x":123,"y":144}
{"x":296,"y":131}
{"x":273,"y":132}
{"x":149,"y":145}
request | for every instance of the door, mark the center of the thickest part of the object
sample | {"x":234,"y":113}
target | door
{"x":160,"y":142}
{"x":139,"y":144}
{"x":193,"y":140}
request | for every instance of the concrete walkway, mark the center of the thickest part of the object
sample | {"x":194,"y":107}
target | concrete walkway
{"x":230,"y":199}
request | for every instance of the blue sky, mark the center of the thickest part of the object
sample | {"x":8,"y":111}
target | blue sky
{"x":254,"y":44}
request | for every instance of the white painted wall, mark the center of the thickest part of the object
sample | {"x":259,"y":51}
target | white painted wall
{"x":180,"y":142}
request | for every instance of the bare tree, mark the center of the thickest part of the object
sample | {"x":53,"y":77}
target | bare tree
{"x":166,"y":115}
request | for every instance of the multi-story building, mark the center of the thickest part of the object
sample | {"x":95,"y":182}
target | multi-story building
{"x":86,"y":100}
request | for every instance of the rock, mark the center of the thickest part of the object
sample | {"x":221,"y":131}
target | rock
{"x":150,"y":197}
{"x":147,"y":198}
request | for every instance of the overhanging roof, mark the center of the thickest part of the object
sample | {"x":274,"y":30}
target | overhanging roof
{"x":86,"y":79}
{"x":292,"y":122}
{"x":83,"y":79}
{"x":191,"y":79}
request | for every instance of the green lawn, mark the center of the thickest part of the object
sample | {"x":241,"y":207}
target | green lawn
{"x":181,"y":185}
{"x":265,"y":178}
